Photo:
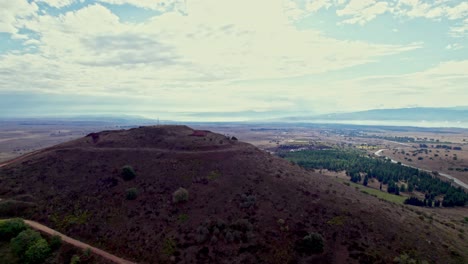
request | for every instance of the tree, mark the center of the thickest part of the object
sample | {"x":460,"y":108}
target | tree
{"x":11,"y":228}
{"x":23,"y":241}
{"x":366,"y":181}
{"x":414,"y":201}
{"x":403,"y":188}
{"x":37,"y":253}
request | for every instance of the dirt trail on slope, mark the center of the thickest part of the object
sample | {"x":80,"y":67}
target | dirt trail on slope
{"x":22,"y":157}
{"x":103,"y":149}
{"x":77,"y":243}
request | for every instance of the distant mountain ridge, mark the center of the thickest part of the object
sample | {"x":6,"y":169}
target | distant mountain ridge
{"x":454,"y":114}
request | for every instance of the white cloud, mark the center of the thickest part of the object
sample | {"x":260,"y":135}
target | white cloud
{"x":362,"y":11}
{"x":454,"y":46}
{"x":439,"y":86}
{"x":57,"y":3}
{"x":460,"y":30}
{"x":12,"y":11}
{"x":201,"y":56}
{"x":315,"y":5}
{"x":159,"y":5}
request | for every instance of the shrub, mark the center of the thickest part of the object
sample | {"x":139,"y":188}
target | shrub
{"x":312,"y":243}
{"x":11,"y":228}
{"x":169,"y":247}
{"x":132,"y":194}
{"x":24,"y":241}
{"x":37,"y":253}
{"x":75,"y":259}
{"x":55,"y":242}
{"x":128,"y":173}
{"x":181,"y":195}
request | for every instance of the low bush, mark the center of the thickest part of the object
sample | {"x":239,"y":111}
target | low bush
{"x":312,"y":243}
{"x":128,"y":173}
{"x":181,"y":195}
{"x":132,"y":194}
{"x":55,"y":242}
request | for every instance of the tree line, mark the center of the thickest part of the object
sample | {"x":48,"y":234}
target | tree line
{"x":359,"y":165}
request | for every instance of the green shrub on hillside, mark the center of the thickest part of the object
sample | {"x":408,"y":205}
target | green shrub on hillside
{"x":181,"y":195}
{"x":55,"y":242}
{"x":37,"y":252}
{"x":75,"y":259}
{"x":11,"y":228}
{"x":312,"y":243}
{"x":132,"y":194}
{"x":21,"y":243}
{"x":128,"y":173}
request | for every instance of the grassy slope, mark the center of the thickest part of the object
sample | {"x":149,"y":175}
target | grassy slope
{"x":377,"y":193}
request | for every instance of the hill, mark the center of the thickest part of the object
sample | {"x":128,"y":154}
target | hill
{"x":115,"y":190}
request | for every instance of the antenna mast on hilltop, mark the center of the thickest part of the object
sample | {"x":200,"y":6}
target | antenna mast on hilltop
{"x":158,"y":120}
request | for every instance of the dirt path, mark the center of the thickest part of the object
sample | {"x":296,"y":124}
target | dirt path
{"x":226,"y":149}
{"x":76,"y":243}
{"x":21,"y":157}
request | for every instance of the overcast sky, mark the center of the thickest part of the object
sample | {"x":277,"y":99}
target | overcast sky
{"x":278,"y":57}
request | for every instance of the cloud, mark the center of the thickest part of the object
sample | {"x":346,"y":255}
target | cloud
{"x":57,"y":3}
{"x":11,"y":12}
{"x":460,"y":30}
{"x":214,"y":44}
{"x":362,"y":11}
{"x":222,"y":56}
{"x":438,"y":86}
{"x":158,"y":5}
{"x":454,"y":46}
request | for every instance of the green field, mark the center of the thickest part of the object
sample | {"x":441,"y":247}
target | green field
{"x":398,"y":199}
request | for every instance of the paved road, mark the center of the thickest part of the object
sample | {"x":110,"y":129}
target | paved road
{"x":457,"y":181}
{"x":76,"y":243}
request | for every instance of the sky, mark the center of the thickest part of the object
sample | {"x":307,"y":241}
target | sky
{"x":230,"y":60}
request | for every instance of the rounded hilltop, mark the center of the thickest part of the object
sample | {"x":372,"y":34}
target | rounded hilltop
{"x":170,"y":137}
{"x":166,"y":194}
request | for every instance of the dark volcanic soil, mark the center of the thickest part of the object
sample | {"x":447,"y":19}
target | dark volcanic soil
{"x":237,"y":196}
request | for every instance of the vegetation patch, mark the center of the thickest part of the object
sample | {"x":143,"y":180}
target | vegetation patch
{"x":183,"y":218}
{"x":62,"y":223}
{"x":180,"y":195}
{"x":337,"y":220}
{"x":131,"y":194}
{"x":11,"y":228}
{"x":128,"y":173}
{"x":376,"y":193}
{"x":213,"y":175}
{"x":312,"y":243}
{"x":9,"y":208}
{"x":169,"y":247}
{"x":356,"y":163}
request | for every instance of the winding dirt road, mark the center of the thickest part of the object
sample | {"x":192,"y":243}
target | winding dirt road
{"x":76,"y":243}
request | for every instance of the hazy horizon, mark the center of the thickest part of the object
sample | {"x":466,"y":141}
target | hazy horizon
{"x":236,"y":60}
